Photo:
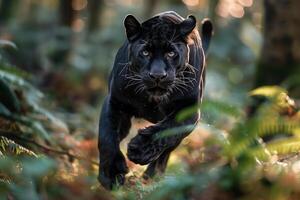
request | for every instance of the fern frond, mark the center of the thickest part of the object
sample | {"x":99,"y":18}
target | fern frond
{"x":285,"y":146}
{"x":280,"y":147}
{"x":246,"y":134}
{"x":21,"y":83}
{"x":210,"y":105}
{"x":267,"y":91}
{"x":7,"y":43}
{"x":14,"y":70}
{"x":10,"y":147}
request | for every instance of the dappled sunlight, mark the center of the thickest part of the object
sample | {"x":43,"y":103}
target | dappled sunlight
{"x":79,"y":4}
{"x":78,"y":25}
{"x":234,"y":8}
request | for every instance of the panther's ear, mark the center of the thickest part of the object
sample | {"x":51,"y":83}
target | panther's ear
{"x":132,"y":26}
{"x":187,"y":26}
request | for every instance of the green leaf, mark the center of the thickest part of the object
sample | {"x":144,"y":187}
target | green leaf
{"x":4,"y":43}
{"x":222,"y":107}
{"x":284,"y":146}
{"x":37,"y":167}
{"x":175,"y":131}
{"x":38,"y":127}
{"x":4,"y":111}
{"x":21,"y":83}
{"x":35,"y":125}
{"x":267,"y":91}
{"x":208,"y":106}
{"x":8,"y":145}
{"x":187,"y":112}
{"x":14,"y":70}
{"x":8,"y":97}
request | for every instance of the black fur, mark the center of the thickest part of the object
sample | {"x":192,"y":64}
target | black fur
{"x":157,"y":72}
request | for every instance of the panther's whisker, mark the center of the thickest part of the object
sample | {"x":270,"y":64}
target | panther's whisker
{"x":124,"y":67}
{"x":186,"y":73}
{"x":132,"y":78}
{"x":185,"y":86}
{"x":145,"y":42}
{"x":191,"y":67}
{"x":182,"y":86}
{"x":131,"y":83}
{"x":178,"y":89}
{"x":189,"y":80}
{"x":186,"y":77}
{"x":139,"y":88}
{"x":171,"y":40}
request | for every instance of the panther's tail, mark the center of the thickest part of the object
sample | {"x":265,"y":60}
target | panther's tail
{"x":206,"y":33}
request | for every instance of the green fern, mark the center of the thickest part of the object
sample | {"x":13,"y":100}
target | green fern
{"x":31,"y":101}
{"x":8,"y":146}
{"x":6,"y":67}
{"x":268,"y":121}
{"x":279,"y":147}
{"x":286,"y":146}
{"x":268,"y":91}
{"x":210,"y":105}
{"x":246,"y":134}
{"x":7,"y":43}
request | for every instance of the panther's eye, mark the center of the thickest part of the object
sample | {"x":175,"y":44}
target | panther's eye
{"x":145,"y":53}
{"x":171,"y":54}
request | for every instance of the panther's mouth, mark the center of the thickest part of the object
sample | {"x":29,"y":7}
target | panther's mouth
{"x":157,"y":91}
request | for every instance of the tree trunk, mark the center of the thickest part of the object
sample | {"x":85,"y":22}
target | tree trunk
{"x":7,"y":10}
{"x":280,"y":54}
{"x":149,"y":8}
{"x":95,"y":7}
{"x":67,"y":14}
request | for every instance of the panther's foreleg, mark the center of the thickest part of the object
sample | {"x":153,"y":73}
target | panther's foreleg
{"x":152,"y":142}
{"x":114,"y":126}
{"x":158,"y":166}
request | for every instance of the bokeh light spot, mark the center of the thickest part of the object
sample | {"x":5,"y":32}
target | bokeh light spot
{"x":235,"y":75}
{"x":78,"y":25}
{"x":79,"y":4}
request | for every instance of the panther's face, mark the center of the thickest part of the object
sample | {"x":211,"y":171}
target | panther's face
{"x":158,"y":54}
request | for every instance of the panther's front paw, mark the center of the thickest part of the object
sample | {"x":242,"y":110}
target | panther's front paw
{"x":145,"y":147}
{"x":113,"y":172}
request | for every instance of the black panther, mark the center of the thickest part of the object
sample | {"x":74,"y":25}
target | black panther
{"x":157,"y":72}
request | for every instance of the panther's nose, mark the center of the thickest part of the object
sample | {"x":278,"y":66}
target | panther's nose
{"x":158,"y":76}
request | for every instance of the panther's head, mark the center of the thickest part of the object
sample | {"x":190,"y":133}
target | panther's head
{"x":159,"y":53}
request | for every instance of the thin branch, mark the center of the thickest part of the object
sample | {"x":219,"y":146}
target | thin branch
{"x":14,"y":137}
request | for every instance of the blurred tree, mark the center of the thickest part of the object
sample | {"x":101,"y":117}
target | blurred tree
{"x":95,"y":7}
{"x":67,"y":17}
{"x":212,"y":9}
{"x":7,"y":10}
{"x":280,"y":54}
{"x":150,"y":6}
{"x":67,"y":14}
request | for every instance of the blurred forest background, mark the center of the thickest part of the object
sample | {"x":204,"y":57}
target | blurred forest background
{"x":55,"y":58}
